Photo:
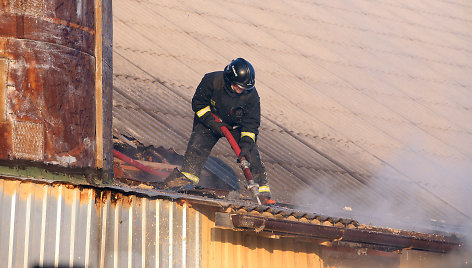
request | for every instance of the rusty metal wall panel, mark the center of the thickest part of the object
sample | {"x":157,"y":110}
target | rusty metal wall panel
{"x":47,"y":77}
{"x":40,"y":92}
{"x":43,"y":224}
{"x":50,"y":85}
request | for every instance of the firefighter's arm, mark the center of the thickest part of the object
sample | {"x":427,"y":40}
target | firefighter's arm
{"x":201,"y":106}
{"x":201,"y":98}
{"x":250,"y":127}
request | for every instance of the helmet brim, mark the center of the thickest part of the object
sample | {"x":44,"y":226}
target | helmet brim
{"x":244,"y":86}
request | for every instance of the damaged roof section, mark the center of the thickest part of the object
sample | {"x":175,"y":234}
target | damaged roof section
{"x":135,"y":164}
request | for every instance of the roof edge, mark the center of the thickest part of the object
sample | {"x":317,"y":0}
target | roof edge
{"x":384,"y":238}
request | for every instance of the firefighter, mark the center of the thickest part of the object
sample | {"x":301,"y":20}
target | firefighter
{"x":231,"y":95}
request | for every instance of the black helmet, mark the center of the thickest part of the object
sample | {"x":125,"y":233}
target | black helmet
{"x":240,"y":72}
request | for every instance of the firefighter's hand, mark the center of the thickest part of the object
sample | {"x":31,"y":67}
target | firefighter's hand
{"x":209,"y":121}
{"x":245,"y":144}
{"x":216,"y":127}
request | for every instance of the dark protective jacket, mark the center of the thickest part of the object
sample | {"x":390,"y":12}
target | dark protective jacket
{"x":237,"y":110}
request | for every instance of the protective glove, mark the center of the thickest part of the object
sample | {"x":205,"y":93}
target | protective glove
{"x":245,"y":144}
{"x":209,"y":121}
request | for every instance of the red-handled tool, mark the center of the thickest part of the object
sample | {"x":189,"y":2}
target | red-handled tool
{"x":244,"y":164}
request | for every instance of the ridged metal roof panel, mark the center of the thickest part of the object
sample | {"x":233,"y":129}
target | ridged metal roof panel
{"x":363,"y":102}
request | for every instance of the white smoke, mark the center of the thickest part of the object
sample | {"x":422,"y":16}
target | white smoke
{"x":415,"y":191}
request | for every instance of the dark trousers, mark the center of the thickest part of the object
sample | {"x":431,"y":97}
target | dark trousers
{"x":199,"y":147}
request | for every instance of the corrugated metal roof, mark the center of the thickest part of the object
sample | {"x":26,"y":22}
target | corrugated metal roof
{"x":366,"y":104}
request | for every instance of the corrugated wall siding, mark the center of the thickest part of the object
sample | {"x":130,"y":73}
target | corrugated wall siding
{"x":228,"y":248}
{"x":44,"y":224}
{"x":61,"y":224}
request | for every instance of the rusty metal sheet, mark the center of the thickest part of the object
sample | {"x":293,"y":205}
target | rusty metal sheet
{"x":39,"y":91}
{"x":47,"y":82}
{"x":53,"y":30}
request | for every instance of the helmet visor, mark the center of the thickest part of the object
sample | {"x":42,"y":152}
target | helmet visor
{"x":243,"y":87}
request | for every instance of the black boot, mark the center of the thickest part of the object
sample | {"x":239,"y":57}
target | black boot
{"x":266,"y":199}
{"x":177,"y":180}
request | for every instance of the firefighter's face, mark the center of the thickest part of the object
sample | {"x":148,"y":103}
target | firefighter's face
{"x":238,"y":88}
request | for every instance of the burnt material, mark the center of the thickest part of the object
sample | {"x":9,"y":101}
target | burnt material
{"x":381,"y":237}
{"x":140,"y":166}
{"x":216,"y":174}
